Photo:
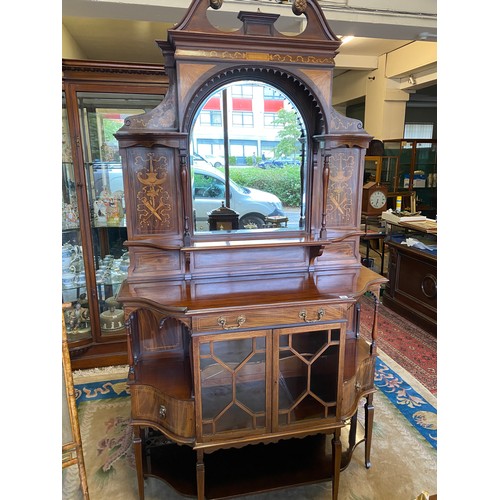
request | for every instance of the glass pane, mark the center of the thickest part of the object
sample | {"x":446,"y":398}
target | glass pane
{"x":371,"y":165}
{"x":101,"y":115}
{"x":425,"y":177}
{"x":74,"y":286}
{"x":308,"y":375}
{"x":388,"y":172}
{"x":233,"y":384}
{"x":262,"y":131}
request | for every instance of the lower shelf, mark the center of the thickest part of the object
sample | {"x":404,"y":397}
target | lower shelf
{"x":251,"y":469}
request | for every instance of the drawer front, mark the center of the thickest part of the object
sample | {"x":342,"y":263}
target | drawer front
{"x":264,"y":318}
{"x":175,"y":416}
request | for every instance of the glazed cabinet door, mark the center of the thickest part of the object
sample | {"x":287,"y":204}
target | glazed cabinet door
{"x":308,"y":361}
{"x":101,"y":115}
{"x":74,"y":275}
{"x":232,"y":384}
{"x":94,"y":259}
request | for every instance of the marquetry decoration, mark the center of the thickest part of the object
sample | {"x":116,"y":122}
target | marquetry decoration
{"x":340,"y":123}
{"x":340,"y":208}
{"x":255,"y":56}
{"x":153,"y":200}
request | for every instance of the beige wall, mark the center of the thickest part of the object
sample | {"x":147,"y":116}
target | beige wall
{"x":387,"y":89}
{"x":70,"y":49}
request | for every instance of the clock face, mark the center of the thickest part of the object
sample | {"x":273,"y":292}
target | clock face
{"x":377,"y":199}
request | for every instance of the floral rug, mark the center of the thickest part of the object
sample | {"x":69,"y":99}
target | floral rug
{"x":408,"y":345}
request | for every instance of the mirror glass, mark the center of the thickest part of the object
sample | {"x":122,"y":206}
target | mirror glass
{"x":248,"y":154}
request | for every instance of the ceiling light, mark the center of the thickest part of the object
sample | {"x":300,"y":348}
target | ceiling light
{"x":346,"y":39}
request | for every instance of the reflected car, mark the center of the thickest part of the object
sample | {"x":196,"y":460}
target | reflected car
{"x":279,"y":163}
{"x":198,"y":160}
{"x":252,"y":205}
{"x":214,"y":160}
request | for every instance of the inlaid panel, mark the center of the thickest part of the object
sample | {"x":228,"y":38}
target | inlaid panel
{"x":153,"y":189}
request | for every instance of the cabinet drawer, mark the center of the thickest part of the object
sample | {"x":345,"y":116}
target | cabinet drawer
{"x":266,"y":318}
{"x":174,"y":415}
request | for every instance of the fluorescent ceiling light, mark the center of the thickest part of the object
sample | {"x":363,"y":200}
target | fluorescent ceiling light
{"x":346,"y":39}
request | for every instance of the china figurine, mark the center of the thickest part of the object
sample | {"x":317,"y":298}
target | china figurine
{"x":78,"y":319}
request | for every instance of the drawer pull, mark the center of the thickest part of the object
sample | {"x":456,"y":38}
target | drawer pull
{"x":162,"y":411}
{"x":222,"y":322}
{"x":303,"y":315}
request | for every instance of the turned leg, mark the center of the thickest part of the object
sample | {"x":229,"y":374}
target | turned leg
{"x":336,"y":460}
{"x":369,"y":411}
{"x":137,"y":441}
{"x":353,"y":430}
{"x":200,"y":475}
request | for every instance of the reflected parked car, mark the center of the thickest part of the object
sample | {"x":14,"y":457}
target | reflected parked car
{"x":252,"y":205}
{"x":279,"y":163}
{"x":215,"y":161}
{"x":198,"y":160}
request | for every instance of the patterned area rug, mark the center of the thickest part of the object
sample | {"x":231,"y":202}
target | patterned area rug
{"x":411,"y":347}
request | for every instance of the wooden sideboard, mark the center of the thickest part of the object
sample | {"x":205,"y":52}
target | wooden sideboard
{"x":224,"y":363}
{"x":246,"y":337}
{"x":412,"y":272}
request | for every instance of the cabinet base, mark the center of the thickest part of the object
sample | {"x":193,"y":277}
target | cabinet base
{"x":252,"y":469}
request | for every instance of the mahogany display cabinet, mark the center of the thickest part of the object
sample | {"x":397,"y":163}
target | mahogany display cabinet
{"x":96,"y":99}
{"x":245,"y":343}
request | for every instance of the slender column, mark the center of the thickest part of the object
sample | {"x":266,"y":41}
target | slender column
{"x":138,"y":460}
{"x":336,"y":460}
{"x":352,"y":431}
{"x":200,"y":475}
{"x":369,"y":412}
{"x":326,"y":178}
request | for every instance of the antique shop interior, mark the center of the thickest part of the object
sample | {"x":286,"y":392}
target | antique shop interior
{"x":249,"y":248}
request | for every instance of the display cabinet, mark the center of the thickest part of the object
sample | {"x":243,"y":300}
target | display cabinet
{"x":416,"y":170}
{"x":412,"y":272}
{"x":384,"y":170}
{"x":97,"y":98}
{"x":245,"y":338}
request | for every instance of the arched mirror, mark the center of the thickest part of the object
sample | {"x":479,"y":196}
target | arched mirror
{"x":248,"y":153}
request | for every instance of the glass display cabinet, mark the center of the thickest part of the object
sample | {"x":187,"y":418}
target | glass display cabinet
{"x":416,"y":170}
{"x":97,"y":98}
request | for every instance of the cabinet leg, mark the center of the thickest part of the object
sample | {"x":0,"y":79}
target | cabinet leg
{"x":369,"y":411}
{"x":200,"y":475}
{"x":138,"y":460}
{"x":336,"y":459}
{"x":352,"y":431}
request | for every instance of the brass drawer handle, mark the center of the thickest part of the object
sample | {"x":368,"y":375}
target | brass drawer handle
{"x":303,"y":315}
{"x":429,"y":286}
{"x":222,"y":322}
{"x":162,"y":411}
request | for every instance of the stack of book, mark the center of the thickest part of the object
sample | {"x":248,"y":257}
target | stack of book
{"x":399,"y":217}
{"x":413,"y":221}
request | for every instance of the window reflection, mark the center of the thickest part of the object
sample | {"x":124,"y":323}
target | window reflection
{"x":248,"y":146}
